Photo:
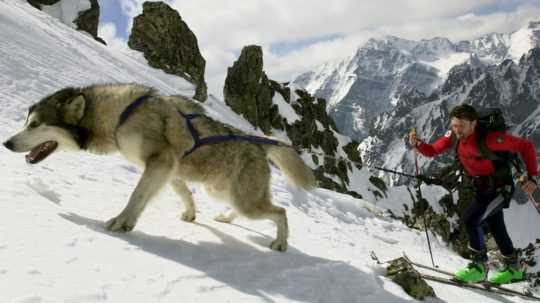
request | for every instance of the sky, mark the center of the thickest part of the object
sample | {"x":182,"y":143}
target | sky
{"x":296,"y":37}
{"x":54,"y":247}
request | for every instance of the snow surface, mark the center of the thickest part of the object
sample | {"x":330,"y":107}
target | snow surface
{"x":285,"y":109}
{"x":520,"y":43}
{"x":53,"y":247}
{"x":341,"y":74}
{"x":444,"y":63}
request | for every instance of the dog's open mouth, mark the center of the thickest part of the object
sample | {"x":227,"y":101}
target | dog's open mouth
{"x":41,"y":152}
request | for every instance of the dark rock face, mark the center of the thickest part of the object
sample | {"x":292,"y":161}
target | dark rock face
{"x":87,"y":20}
{"x":245,"y":92}
{"x":168,"y":44}
{"x":249,"y":92}
{"x":37,"y":3}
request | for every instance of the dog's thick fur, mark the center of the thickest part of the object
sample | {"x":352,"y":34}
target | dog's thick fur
{"x":155,"y":136}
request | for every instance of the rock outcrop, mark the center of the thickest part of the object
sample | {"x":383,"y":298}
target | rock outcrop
{"x":403,"y":274}
{"x":87,"y":20}
{"x":168,"y":44}
{"x":38,"y":3}
{"x":277,"y":107}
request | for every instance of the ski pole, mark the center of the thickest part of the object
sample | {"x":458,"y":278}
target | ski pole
{"x":418,"y":183}
{"x":426,"y":179}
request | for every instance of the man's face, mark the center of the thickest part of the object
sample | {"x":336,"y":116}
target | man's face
{"x":462,"y":128}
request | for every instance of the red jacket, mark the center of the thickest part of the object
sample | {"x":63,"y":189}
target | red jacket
{"x":468,"y":151}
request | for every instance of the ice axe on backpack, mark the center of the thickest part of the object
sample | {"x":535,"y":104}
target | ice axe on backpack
{"x":534,"y":197}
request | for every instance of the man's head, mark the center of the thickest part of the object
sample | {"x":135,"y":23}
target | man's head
{"x":463,"y":120}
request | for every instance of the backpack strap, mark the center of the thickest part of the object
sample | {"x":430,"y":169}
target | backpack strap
{"x":486,"y":153}
{"x":457,"y":166}
{"x":502,"y":168}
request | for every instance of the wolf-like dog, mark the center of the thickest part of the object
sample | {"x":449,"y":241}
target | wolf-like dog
{"x":157,"y":136}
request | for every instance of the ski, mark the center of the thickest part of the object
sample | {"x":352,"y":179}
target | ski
{"x":435,"y":269}
{"x":479,"y":285}
{"x":486,"y":286}
{"x":527,"y":276}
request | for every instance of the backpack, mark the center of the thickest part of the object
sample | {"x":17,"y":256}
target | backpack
{"x":490,"y":120}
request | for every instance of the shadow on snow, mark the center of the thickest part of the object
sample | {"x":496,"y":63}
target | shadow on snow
{"x":292,"y":274}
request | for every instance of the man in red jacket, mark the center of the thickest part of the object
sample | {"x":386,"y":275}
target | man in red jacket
{"x":487,"y":207}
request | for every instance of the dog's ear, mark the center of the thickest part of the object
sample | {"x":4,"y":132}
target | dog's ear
{"x":74,"y":109}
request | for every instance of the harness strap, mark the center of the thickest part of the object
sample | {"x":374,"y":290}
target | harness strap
{"x":130,"y":108}
{"x":197,"y":140}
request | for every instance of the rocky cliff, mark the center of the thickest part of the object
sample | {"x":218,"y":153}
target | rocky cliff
{"x":168,"y":44}
{"x":279,"y":107}
{"x":86,"y":20}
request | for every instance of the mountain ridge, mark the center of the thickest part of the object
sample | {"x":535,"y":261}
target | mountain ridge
{"x":363,"y":85}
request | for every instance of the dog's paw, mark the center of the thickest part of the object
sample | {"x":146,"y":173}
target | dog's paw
{"x":120,"y":224}
{"x":223,"y":218}
{"x":188,"y":216}
{"x":279,"y":245}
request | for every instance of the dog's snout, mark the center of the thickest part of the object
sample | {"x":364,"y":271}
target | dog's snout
{"x":9,"y":145}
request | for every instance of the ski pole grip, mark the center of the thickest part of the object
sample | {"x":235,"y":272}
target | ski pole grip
{"x":412,"y":134}
{"x":523,"y":178}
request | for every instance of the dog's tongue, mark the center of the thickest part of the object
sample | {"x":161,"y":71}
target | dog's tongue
{"x":41,"y":152}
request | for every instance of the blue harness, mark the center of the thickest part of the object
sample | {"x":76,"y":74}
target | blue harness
{"x":198,"y":141}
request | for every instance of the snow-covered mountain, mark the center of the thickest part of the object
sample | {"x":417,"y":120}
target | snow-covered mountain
{"x":369,"y":82}
{"x":53,"y":247}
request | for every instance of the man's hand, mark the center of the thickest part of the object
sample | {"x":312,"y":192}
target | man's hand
{"x":528,"y":184}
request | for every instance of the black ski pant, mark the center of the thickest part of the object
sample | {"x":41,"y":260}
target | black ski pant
{"x":487,"y":207}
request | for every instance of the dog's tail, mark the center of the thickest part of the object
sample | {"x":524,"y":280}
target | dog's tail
{"x":290,"y":163}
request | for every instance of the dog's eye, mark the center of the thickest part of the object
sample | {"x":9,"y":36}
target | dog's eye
{"x":33,"y":124}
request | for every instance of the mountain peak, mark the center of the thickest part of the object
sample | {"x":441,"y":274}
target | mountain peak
{"x":389,"y":41}
{"x":432,"y":49}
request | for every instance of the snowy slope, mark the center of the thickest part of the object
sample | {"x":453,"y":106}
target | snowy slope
{"x":523,"y":40}
{"x":53,"y":247}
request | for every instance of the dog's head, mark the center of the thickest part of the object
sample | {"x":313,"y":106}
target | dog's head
{"x":52,"y":124}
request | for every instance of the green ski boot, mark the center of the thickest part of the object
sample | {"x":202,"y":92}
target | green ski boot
{"x":474,"y":272}
{"x":511,"y":272}
{"x":506,"y":275}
